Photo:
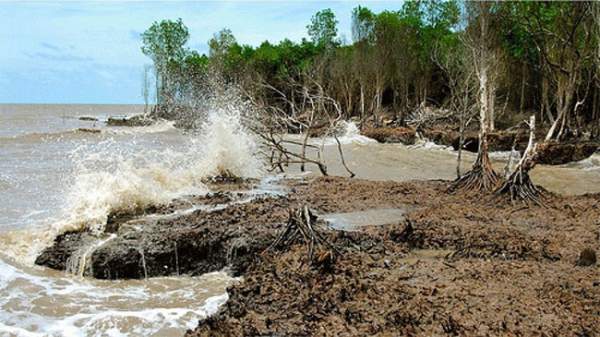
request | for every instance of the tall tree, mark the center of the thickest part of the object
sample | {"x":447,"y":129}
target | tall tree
{"x":562,"y":35}
{"x":218,"y":49}
{"x":323,"y":29}
{"x":482,"y":176}
{"x":363,"y":24}
{"x":164,"y":42}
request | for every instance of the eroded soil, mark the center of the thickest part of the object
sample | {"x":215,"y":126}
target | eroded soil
{"x":459,"y":265}
{"x":454,"y":264}
{"x":550,"y":153}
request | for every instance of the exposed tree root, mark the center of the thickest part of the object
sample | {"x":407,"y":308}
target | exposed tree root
{"x":301,"y":226}
{"x":519,"y":185}
{"x":481,"y":178}
{"x":520,"y":188}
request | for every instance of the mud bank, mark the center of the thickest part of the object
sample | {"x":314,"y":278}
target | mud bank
{"x":192,"y":236}
{"x":551,"y":153}
{"x":453,"y":264}
{"x":456,"y":265}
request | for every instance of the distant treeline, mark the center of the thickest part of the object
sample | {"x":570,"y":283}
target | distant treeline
{"x":543,"y":58}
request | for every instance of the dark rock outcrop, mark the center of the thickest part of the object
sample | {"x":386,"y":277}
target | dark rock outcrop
{"x":88,"y":119}
{"x":65,"y":245}
{"x":137,"y":120}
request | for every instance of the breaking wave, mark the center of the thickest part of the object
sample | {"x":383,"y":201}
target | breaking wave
{"x":110,"y":178}
{"x":133,"y":173}
{"x":424,"y":143}
{"x":349,"y":133}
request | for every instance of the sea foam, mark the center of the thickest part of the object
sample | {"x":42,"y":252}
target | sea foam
{"x":127,"y":174}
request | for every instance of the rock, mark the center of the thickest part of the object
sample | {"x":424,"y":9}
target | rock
{"x":65,"y":245}
{"x":136,"y":120}
{"x":587,"y":257}
{"x":87,"y":118}
{"x":192,"y":244}
{"x":89,"y":130}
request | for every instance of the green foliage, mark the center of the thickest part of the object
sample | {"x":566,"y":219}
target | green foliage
{"x":394,"y":62}
{"x":164,"y":41}
{"x":196,"y":63}
{"x":323,"y":29}
{"x":220,"y":43}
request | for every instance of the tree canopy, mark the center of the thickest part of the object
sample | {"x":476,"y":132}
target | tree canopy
{"x":544,"y":57}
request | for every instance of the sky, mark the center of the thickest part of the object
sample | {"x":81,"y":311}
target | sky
{"x":89,"y":52}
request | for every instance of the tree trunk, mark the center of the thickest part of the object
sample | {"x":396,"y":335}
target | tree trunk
{"x":362,"y":101}
{"x":482,"y":177}
{"x":546,"y":100}
{"x":522,"y":100}
{"x":461,"y":142}
{"x":519,"y":185}
{"x":492,"y":105}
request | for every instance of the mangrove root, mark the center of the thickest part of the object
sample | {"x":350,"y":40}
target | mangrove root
{"x":301,"y":227}
{"x":481,"y":178}
{"x":519,"y":185}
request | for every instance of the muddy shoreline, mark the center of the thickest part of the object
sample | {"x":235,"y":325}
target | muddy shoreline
{"x":453,"y":265}
{"x":551,"y":153}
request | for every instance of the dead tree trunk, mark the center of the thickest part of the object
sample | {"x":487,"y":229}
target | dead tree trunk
{"x":482,"y":176}
{"x":461,"y":143}
{"x":519,"y":185}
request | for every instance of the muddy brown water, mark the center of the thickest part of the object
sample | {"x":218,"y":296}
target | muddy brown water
{"x":42,"y":163}
{"x":425,"y":160}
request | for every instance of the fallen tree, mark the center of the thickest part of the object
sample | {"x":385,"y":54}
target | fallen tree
{"x":275,"y":124}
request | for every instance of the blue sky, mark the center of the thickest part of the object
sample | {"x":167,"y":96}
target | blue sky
{"x":89,"y":52}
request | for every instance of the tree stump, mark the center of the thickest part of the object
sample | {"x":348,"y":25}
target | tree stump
{"x":301,"y":228}
{"x":518,"y":185}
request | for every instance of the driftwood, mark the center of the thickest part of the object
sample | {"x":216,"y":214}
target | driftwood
{"x":301,"y":227}
{"x":281,"y":156}
{"x":518,"y":185}
{"x":276,"y":123}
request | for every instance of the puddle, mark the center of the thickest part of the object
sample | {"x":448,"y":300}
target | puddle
{"x":373,"y":217}
{"x":270,"y":186}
